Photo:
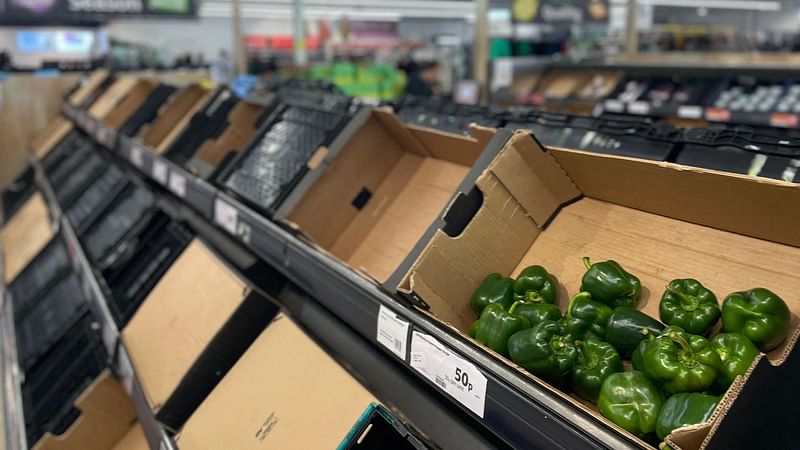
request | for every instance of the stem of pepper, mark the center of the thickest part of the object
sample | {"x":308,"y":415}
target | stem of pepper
{"x":586,"y":262}
{"x":533,"y":297}
{"x":514,"y":307}
{"x":586,"y":356}
{"x":686,"y":349}
{"x":688,"y":302}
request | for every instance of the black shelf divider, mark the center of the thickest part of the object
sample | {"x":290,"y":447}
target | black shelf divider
{"x":513,"y":410}
{"x":157,"y":437}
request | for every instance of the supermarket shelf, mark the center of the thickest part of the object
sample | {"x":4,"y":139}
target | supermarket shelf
{"x":156,"y":435}
{"x":13,"y":420}
{"x":514,"y":410}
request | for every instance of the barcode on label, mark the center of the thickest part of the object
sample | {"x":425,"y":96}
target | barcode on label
{"x":441,"y":382}
{"x":392,"y":332}
{"x":225,"y":215}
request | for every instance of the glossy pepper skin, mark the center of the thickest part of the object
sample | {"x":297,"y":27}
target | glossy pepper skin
{"x":544,"y":351}
{"x":587,"y":318}
{"x":538,"y":312}
{"x":690,"y":305}
{"x":609,"y":283}
{"x":535,"y":285}
{"x":685,"y":409}
{"x":758,"y":314}
{"x":624,"y":330}
{"x":495,"y":289}
{"x":496,"y":325}
{"x":681,"y":362}
{"x":637,"y":358}
{"x":736,"y":353}
{"x":632,"y":401}
{"x":596,"y":361}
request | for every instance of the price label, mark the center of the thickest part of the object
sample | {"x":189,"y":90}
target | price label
{"x":690,"y":112}
{"x":160,"y":172}
{"x":225,"y":215}
{"x":392,"y":332}
{"x":641,"y":108}
{"x":614,"y":106}
{"x":718,"y":114}
{"x":453,"y":374}
{"x":783,"y":120}
{"x":137,"y":159}
{"x":502,"y":73}
{"x":177,"y":184}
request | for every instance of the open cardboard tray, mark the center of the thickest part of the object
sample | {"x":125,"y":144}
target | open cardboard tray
{"x":659,"y":220}
{"x":368,"y":198}
{"x":105,"y":421}
{"x":17,"y":193}
{"x":190,"y":330}
{"x":25,"y":235}
{"x":147,"y":112}
{"x":129,"y":103}
{"x":284,"y":392}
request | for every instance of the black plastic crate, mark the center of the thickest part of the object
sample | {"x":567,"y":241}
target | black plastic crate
{"x":271,"y":166}
{"x":81,"y":176}
{"x":148,"y":111}
{"x":71,"y":152}
{"x":50,"y":265}
{"x":130,"y":211}
{"x":149,"y":255}
{"x":56,"y":380}
{"x":17,"y":193}
{"x":96,"y":198}
{"x":47,"y":318}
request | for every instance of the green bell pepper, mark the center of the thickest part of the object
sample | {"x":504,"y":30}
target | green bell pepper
{"x":759,"y":314}
{"x":538,"y":312}
{"x":632,"y":401}
{"x":473,"y":329}
{"x":690,"y":305}
{"x":681,"y":362}
{"x":596,"y":361}
{"x":496,"y":325}
{"x":685,"y":409}
{"x":609,"y":283}
{"x":737,"y":354}
{"x":535,"y":285}
{"x":544,"y":350}
{"x":637,"y":358}
{"x":495,"y":289}
{"x":587,"y":318}
{"x":624,"y":330}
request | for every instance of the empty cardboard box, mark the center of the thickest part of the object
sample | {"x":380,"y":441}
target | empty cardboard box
{"x":660,"y":221}
{"x":25,"y":235}
{"x":368,"y":199}
{"x":174,"y":116}
{"x":284,"y":392}
{"x":107,"y":415}
{"x":189,"y":331}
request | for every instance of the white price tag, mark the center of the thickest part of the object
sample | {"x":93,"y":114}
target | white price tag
{"x":642,"y":108}
{"x":690,"y":112}
{"x":614,"y":106}
{"x":225,"y":215}
{"x":160,"y":172}
{"x":177,"y":184}
{"x":453,"y":374}
{"x":392,"y":332}
{"x":136,"y":156}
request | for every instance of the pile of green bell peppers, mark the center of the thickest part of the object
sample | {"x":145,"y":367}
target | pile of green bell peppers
{"x":675,"y":367}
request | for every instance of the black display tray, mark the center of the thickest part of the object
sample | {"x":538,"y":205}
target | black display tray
{"x":37,"y":278}
{"x":148,"y":111}
{"x":17,"y":193}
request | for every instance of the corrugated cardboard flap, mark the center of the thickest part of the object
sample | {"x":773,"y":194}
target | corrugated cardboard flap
{"x":106,"y":415}
{"x":522,"y":189}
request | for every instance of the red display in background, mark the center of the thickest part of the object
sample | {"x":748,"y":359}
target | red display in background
{"x":278,"y":42}
{"x":256,"y":42}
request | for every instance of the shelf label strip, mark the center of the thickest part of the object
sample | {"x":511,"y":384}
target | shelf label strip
{"x":449,"y":372}
{"x":392,"y":332}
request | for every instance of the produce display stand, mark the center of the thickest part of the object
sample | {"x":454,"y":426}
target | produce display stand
{"x":156,"y":435}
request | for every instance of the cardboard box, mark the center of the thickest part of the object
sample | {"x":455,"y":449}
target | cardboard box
{"x":134,"y":439}
{"x":25,"y":235}
{"x":285,"y":392}
{"x":112,"y":96}
{"x":106,"y":417}
{"x":369,"y":199}
{"x":174,"y":116}
{"x":242,"y":127}
{"x":87,"y":87}
{"x":660,"y":221}
{"x":189,"y":331}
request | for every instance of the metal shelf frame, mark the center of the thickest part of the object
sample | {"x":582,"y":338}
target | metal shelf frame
{"x":516,"y":412}
{"x":157,"y":437}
